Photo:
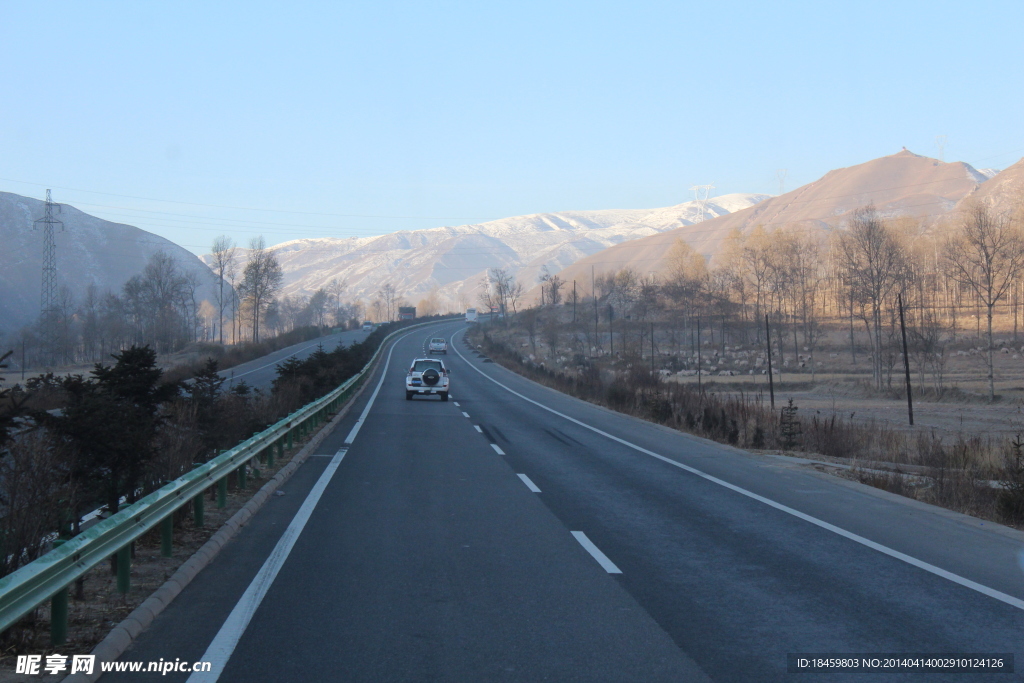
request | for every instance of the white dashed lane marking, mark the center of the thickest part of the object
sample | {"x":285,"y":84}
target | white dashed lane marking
{"x":529,"y":484}
{"x":601,"y":558}
{"x":497,"y":450}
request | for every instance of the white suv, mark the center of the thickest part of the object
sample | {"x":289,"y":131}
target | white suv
{"x":438,"y":345}
{"x":427,"y":376}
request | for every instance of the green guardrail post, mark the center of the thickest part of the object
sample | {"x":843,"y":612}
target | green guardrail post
{"x":222,"y":492}
{"x":167,"y":535}
{"x":289,"y":439}
{"x":241,"y":476}
{"x":124,"y":568}
{"x":59,"y":611}
{"x":199,"y":510}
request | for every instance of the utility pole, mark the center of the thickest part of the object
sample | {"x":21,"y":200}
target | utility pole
{"x":906,"y":361}
{"x":768,"y":339}
{"x":652,"y":348}
{"x":48,"y":299}
{"x":593,"y":293}
{"x":574,"y":301}
{"x":611,"y":331}
{"x":700,"y":386}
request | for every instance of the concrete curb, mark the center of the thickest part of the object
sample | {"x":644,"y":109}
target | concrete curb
{"x":122,"y":635}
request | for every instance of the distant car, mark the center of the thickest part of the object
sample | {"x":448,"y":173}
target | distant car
{"x":438,"y":345}
{"x":367,"y":326}
{"x":427,"y":376}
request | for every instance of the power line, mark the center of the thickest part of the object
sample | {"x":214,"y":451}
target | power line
{"x":248,"y":208}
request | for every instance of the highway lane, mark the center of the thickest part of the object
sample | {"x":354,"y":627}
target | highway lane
{"x":735,"y":582}
{"x":260,"y":373}
{"x":425,"y":559}
{"x":443,"y":549}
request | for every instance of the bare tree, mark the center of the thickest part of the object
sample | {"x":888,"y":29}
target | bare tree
{"x":552,"y":286}
{"x":755,"y":254}
{"x":261,"y":280}
{"x":318,"y":307}
{"x":389,"y":295}
{"x":507,"y":290}
{"x":515,"y":292}
{"x":223,"y":253}
{"x":986,"y":254}
{"x":336,"y":288}
{"x":873,"y":264}
{"x":379,"y":309}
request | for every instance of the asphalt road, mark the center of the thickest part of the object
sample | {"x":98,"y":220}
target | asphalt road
{"x":260,"y":373}
{"x":514,"y":533}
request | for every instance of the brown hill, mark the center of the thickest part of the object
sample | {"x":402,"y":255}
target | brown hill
{"x":1005,"y":191}
{"x":900,"y":184}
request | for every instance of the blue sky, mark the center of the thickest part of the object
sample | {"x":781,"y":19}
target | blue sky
{"x":363,"y":118}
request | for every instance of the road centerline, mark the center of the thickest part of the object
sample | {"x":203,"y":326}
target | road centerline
{"x":529,"y":483}
{"x":595,"y":552}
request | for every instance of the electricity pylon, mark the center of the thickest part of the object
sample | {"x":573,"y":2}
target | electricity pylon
{"x":48,"y":298}
{"x":701,"y":193}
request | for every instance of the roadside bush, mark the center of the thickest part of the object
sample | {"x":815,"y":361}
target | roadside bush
{"x":1010,"y":503}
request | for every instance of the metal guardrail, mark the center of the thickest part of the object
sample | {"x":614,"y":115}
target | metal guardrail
{"x":49,"y":576}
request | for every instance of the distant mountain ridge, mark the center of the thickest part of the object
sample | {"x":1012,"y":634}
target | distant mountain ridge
{"x":1004,"y":192}
{"x":902,"y":184}
{"x":454,"y":260}
{"x":90,"y":250}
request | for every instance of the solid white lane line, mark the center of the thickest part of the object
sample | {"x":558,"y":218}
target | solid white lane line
{"x":366,"y":411}
{"x":477,"y":428}
{"x":497,"y":450}
{"x":230,"y":633}
{"x":913,"y":561}
{"x":601,"y":558}
{"x":529,"y":484}
{"x":465,"y":414}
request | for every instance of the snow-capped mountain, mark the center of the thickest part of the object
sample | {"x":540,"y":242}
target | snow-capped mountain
{"x":89,"y":251}
{"x":453,"y":261}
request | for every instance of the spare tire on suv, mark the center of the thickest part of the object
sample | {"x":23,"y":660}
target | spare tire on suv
{"x":431,"y":377}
